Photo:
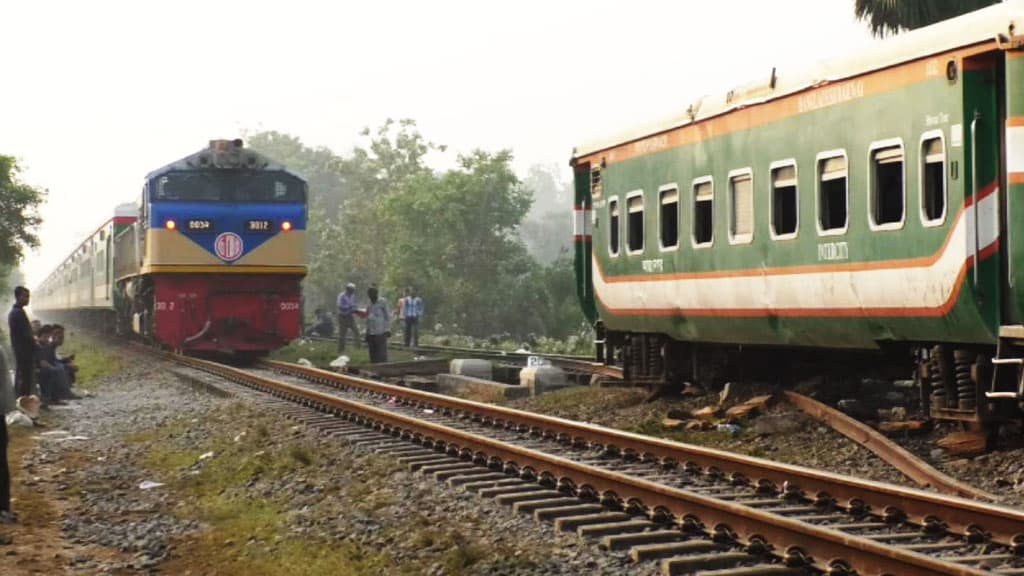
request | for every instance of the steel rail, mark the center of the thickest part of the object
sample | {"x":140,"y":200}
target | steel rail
{"x":567,"y":361}
{"x":900,"y":458}
{"x":823,"y":548}
{"x":968,"y":518}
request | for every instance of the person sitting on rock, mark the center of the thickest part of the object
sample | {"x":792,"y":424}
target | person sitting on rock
{"x":53,"y":379}
{"x":67,"y":362}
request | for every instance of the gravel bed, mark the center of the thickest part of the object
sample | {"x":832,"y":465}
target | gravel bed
{"x":783,"y":433}
{"x":99,"y":451}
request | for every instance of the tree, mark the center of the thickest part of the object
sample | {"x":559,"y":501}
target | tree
{"x":894,"y":16}
{"x":455,"y":238}
{"x":544,"y":230}
{"x":319,"y":166}
{"x":19,"y":218}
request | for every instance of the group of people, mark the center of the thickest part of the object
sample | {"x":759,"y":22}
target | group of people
{"x":35,"y":355}
{"x":378,"y":320}
{"x":35,"y":360}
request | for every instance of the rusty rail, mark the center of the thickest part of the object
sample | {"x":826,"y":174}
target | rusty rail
{"x":911,"y":466}
{"x":960,"y":516}
{"x":826,"y":549}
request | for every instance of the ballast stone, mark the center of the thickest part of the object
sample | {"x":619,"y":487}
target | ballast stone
{"x":540,"y":379}
{"x":472,"y":367}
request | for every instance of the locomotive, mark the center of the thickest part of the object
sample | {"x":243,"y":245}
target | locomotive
{"x":866,"y":209}
{"x":210,"y":260}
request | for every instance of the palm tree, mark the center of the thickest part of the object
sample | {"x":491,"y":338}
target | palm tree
{"x":894,"y":16}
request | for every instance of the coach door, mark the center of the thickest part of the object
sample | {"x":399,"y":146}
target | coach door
{"x":981,"y":137}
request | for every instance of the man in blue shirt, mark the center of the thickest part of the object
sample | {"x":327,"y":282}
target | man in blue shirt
{"x":413,"y":311}
{"x":347,"y":316}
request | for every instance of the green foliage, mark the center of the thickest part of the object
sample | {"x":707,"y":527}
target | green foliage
{"x":19,"y":218}
{"x":894,"y":16}
{"x":380,"y":215}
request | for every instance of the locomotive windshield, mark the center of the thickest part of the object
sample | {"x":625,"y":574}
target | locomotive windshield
{"x":221,"y":186}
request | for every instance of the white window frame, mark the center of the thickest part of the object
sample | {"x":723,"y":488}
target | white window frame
{"x":931,"y":135}
{"x":679,"y":229}
{"x":887,"y":143}
{"x":693,"y":212}
{"x":738,"y":239}
{"x":771,"y":198}
{"x":643,"y":210}
{"x":821,"y":157}
{"x":614,"y":200}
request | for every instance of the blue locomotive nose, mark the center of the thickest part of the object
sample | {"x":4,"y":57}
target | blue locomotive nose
{"x":228,"y":231}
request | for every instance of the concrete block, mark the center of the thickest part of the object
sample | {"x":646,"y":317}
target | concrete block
{"x":540,"y":379}
{"x":479,"y":388}
{"x":472,"y":367}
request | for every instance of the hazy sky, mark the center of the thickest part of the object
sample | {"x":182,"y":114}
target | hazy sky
{"x":96,"y":94}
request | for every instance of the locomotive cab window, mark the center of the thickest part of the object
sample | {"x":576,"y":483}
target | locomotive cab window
{"x":886,"y":178}
{"x":703,"y":222}
{"x":635,"y":222}
{"x":933,"y":180}
{"x":741,"y":207}
{"x":613,"y":227}
{"x":784,"y":201}
{"x":669,"y":217}
{"x":832,"y":195}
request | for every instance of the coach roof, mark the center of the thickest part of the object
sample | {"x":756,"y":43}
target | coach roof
{"x":985,"y":25}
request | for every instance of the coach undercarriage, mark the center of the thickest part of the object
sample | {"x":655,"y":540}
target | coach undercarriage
{"x":955,"y":382}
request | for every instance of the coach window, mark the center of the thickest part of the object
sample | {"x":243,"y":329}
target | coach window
{"x":886,"y":178}
{"x":669,"y":196}
{"x":741,"y":206}
{"x":635,"y":222}
{"x":784,"y":200}
{"x":832,"y":194}
{"x":613,"y":227}
{"x":933,"y":179}
{"x":703,"y":214}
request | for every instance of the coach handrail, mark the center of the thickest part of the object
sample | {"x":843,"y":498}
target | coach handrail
{"x":974,"y":188}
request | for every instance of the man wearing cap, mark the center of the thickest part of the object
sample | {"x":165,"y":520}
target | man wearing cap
{"x":347,"y":316}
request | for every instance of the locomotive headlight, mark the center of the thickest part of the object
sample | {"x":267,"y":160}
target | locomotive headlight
{"x":170,"y":225}
{"x":286,"y":226}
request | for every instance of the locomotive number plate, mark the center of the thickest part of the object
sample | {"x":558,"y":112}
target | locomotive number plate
{"x":258,"y":225}
{"x":199,"y":225}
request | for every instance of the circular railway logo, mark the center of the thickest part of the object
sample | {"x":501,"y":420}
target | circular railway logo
{"x":228,"y":246}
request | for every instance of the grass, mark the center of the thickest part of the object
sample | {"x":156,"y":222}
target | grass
{"x":245,"y":534}
{"x":94,"y":360}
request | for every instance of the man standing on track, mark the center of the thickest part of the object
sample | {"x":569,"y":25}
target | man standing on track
{"x":22,"y":343}
{"x":347,"y":316}
{"x":377,"y":327}
{"x":413,"y":312}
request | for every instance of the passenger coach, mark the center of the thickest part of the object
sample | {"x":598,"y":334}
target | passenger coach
{"x":873,"y":204}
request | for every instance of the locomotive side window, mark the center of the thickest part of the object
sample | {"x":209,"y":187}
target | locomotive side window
{"x":613,"y":227}
{"x":784,"y":201}
{"x":703,"y":223}
{"x":832,"y":195}
{"x":886,"y":177}
{"x":741,"y":207}
{"x":933,"y":180}
{"x":669,"y":217}
{"x":635,"y":222}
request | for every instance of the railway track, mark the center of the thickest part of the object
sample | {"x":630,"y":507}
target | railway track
{"x":694,"y":506}
{"x":574,"y":363}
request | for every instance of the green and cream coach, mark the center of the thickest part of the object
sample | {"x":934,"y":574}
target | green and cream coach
{"x":869,"y":206}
